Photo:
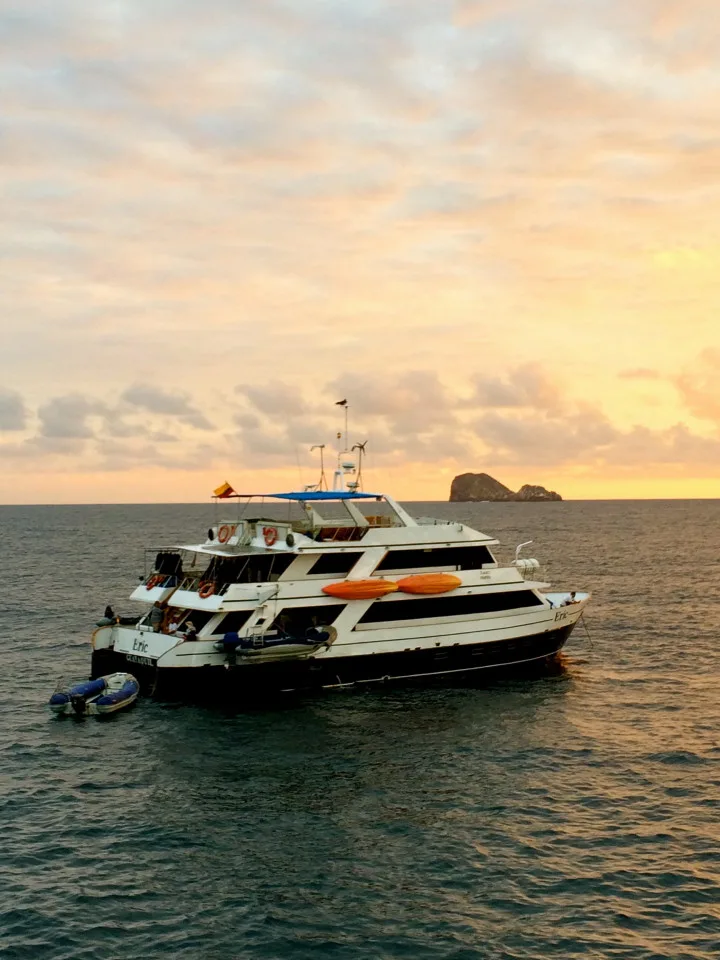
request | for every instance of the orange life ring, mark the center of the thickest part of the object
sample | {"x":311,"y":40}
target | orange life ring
{"x":154,"y":581}
{"x":225,"y":532}
{"x":270,"y":535}
{"x":206,"y":590}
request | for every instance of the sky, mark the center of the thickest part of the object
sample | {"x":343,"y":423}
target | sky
{"x":491,"y":225}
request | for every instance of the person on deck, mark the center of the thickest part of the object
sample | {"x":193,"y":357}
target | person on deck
{"x":157,"y":615}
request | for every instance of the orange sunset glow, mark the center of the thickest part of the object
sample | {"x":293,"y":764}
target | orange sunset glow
{"x":490,"y":224}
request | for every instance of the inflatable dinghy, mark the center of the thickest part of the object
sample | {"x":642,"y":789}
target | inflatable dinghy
{"x":96,"y":697}
{"x":276,"y":645}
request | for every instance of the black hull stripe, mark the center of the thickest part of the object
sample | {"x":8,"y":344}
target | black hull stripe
{"x":257,"y":676}
{"x":439,"y":673}
{"x":433,"y":627}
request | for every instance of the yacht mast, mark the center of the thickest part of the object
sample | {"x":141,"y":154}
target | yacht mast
{"x":345,"y":460}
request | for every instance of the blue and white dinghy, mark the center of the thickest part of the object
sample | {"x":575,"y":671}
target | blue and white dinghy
{"x":96,"y":697}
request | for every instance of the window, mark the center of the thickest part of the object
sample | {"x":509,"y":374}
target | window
{"x":296,"y":620}
{"x":335,"y":564}
{"x":232,"y":622}
{"x":458,"y":558}
{"x":168,"y":562}
{"x":199,"y":618}
{"x":248,"y":569}
{"x":388,"y":611}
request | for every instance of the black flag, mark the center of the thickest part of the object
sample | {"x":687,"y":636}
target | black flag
{"x":341,"y":403}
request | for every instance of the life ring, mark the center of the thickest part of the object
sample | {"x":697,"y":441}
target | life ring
{"x":206,"y":590}
{"x":224,"y":533}
{"x":270,"y":535}
{"x":154,"y":581}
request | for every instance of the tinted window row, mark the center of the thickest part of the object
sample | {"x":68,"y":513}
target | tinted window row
{"x":295,"y":620}
{"x":390,"y":610}
{"x":459,"y":558}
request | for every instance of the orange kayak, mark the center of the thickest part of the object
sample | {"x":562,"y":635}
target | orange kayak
{"x":360,"y":589}
{"x":429,"y":583}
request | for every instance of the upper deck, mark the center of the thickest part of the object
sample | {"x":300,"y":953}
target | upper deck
{"x":368,"y":534}
{"x":374,"y":519}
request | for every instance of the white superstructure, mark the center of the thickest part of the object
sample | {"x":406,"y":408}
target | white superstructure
{"x":332,"y":589}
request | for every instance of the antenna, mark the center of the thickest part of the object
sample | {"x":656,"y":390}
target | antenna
{"x":322,"y":485}
{"x":343,"y":403}
{"x":343,"y":465}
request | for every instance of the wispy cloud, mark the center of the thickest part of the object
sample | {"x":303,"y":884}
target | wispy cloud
{"x":13,"y":414}
{"x":171,"y":404}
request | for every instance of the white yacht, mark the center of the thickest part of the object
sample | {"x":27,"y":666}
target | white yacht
{"x":326,"y":589}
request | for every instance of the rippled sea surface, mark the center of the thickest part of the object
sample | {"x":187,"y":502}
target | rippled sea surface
{"x":573,"y":815}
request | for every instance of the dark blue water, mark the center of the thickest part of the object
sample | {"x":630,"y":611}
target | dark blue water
{"x":575,"y":815}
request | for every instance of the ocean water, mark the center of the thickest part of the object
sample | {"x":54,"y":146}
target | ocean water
{"x":571,"y":815}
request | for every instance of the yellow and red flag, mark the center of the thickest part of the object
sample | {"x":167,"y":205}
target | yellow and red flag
{"x":224,"y":491}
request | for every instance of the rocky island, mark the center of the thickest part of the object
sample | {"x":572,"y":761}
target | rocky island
{"x":475,"y":487}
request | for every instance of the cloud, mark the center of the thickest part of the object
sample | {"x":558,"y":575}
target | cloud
{"x":525,"y":386}
{"x":156,"y":400}
{"x":571,"y":436}
{"x":274,"y":398}
{"x":411,"y":401}
{"x":67,"y":417}
{"x":13,"y":413}
{"x":641,"y":373}
{"x":463,"y":211}
{"x":519,"y":420}
{"x":588,"y":439}
{"x":699,"y":387}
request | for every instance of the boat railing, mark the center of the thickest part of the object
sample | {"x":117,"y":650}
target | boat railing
{"x":341,"y":529}
{"x":195,"y":584}
{"x":530,"y":569}
{"x":340,"y":533}
{"x":163,"y":580}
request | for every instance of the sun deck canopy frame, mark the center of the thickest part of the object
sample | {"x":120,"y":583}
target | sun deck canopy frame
{"x":308,"y":497}
{"x":303,"y":495}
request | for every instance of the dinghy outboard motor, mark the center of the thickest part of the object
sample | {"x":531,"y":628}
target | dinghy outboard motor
{"x":79,"y":704}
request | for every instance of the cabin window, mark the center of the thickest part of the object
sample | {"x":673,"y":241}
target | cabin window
{"x":296,"y":620}
{"x":449,"y":606}
{"x":335,"y":564}
{"x":248,"y":569}
{"x":455,"y":558}
{"x":169,"y":562}
{"x":232,"y":622}
{"x":199,"y":618}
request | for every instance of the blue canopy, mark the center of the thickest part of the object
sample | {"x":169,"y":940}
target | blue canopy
{"x":324,"y":495}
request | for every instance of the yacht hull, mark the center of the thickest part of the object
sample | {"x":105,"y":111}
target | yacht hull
{"x":251,"y":677}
